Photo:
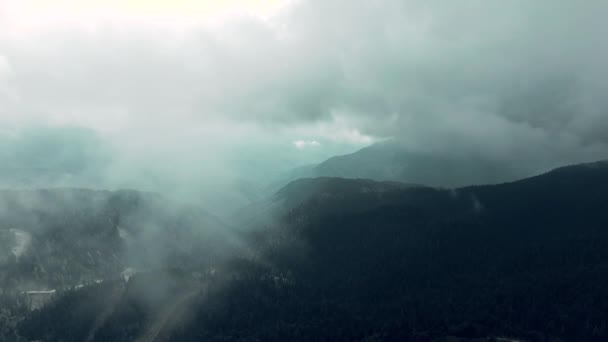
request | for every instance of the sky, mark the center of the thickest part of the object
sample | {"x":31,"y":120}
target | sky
{"x":176,"y":92}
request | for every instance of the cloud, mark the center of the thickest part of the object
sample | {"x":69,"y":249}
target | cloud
{"x":42,"y":157}
{"x":519,"y":81}
{"x":302,"y":144}
{"x":5,"y":67}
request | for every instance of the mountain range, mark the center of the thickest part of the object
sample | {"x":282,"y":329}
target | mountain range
{"x":392,"y":161}
{"x":362,"y":260}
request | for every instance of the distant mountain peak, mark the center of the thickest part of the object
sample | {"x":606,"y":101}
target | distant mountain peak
{"x":393,"y":161}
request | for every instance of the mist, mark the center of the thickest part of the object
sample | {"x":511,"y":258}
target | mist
{"x":302,"y":168}
{"x":130,"y":99}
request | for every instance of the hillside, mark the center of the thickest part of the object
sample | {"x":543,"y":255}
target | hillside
{"x":59,"y":240}
{"x":66,"y":236}
{"x":361,"y":260}
{"x":392,"y":161}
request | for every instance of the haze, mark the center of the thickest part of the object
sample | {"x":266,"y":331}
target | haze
{"x":201,"y":96}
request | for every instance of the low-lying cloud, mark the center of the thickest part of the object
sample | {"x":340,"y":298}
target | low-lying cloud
{"x":519,"y":81}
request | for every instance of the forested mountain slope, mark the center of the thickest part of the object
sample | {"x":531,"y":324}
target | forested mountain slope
{"x":357,"y":260}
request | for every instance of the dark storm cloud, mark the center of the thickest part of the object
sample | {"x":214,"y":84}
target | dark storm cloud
{"x":538,"y":64}
{"x":513,"y":80}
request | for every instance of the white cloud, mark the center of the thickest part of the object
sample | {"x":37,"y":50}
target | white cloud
{"x":30,"y":16}
{"x":341,"y":73}
{"x":302,"y":144}
{"x":5,"y":66}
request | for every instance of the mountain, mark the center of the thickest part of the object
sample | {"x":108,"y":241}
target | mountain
{"x":358,"y":260}
{"x":392,"y":161}
{"x":60,"y":238}
{"x":58,"y":241}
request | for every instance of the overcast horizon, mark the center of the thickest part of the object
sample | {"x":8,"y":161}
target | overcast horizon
{"x":204,"y":93}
